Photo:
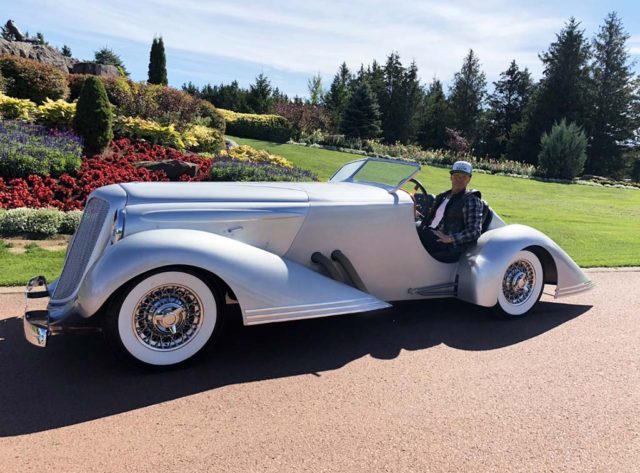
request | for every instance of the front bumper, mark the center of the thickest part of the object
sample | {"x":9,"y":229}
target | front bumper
{"x":36,"y":322}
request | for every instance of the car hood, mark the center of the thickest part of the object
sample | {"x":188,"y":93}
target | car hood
{"x":276,"y":192}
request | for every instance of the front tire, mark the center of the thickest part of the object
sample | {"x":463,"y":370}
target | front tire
{"x":163,"y":319}
{"x":521,"y":285}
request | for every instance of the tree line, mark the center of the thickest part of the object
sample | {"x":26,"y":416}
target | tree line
{"x":587,"y":84}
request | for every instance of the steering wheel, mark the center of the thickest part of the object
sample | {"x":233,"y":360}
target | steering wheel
{"x":421,"y":198}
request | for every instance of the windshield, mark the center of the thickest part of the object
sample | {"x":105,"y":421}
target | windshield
{"x":387,"y":172}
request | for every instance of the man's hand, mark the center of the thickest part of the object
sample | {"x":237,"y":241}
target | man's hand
{"x":443,"y":237}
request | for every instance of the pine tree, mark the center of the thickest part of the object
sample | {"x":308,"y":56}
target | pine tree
{"x":564,"y":91}
{"x":66,"y":51}
{"x":315,"y":89}
{"x":336,"y":100}
{"x":259,"y":98}
{"x":361,"y":118}
{"x":434,"y":118}
{"x":93,"y":120}
{"x":613,"y":123}
{"x":506,"y":107}
{"x":157,"y":63}
{"x":466,"y":97}
{"x":109,"y":57}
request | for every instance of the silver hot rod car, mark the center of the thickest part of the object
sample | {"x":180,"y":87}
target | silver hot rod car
{"x":160,"y":262}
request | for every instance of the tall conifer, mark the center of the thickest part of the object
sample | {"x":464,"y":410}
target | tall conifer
{"x":157,"y":63}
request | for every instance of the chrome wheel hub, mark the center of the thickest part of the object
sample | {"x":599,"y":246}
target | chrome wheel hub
{"x":518,"y":282}
{"x":167,"y":317}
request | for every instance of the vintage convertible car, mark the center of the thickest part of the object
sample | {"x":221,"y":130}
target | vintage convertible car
{"x":160,"y":262}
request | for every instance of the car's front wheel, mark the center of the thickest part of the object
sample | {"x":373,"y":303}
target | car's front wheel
{"x":521,"y":285}
{"x":163,"y":319}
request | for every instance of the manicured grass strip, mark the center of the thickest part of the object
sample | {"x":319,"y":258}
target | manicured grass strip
{"x":17,"y":269}
{"x":596,"y":226}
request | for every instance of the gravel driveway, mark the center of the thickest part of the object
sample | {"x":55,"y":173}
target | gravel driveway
{"x":431,"y":386}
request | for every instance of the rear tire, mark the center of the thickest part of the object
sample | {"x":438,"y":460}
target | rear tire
{"x":164,"y":318}
{"x":521,"y":285}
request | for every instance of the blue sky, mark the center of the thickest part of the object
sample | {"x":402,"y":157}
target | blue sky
{"x":219,"y":41}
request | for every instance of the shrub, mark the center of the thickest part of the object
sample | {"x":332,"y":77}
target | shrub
{"x":200,"y":138}
{"x":32,"y":222}
{"x":305,"y":118}
{"x":249,"y":154}
{"x":211,"y":116}
{"x":635,"y":170}
{"x":154,"y":133}
{"x":57,"y":114}
{"x":70,"y":222}
{"x":256,"y":172}
{"x":33,"y":80}
{"x":93,"y":120}
{"x":16,"y":109}
{"x":260,"y":127}
{"x":564,"y":151}
{"x":31,"y":149}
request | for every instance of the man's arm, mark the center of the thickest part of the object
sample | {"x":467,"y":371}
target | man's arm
{"x":472,"y":214}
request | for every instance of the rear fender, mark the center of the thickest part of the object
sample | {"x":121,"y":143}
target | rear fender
{"x":481,"y":270}
{"x":268,"y":287}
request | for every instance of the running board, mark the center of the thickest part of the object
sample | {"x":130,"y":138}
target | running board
{"x":449,"y":289}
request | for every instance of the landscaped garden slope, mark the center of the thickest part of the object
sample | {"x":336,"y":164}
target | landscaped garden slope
{"x":597,"y":226}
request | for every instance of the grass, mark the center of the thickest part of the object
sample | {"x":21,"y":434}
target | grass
{"x":16,"y":269}
{"x":597,"y":226}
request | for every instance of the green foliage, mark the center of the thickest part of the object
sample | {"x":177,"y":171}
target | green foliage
{"x":253,"y":155}
{"x":315,"y":89}
{"x":119,"y":89}
{"x":361,"y":118}
{"x":16,"y":109}
{"x":93,"y":120}
{"x":41,"y":223}
{"x":66,"y":51}
{"x":262,"y":127}
{"x":109,"y":57}
{"x":199,"y":138}
{"x":33,"y":80}
{"x":56,"y":114}
{"x":434,"y":118}
{"x":153,"y":132}
{"x":70,"y":222}
{"x":157,"y":63}
{"x":336,"y":100}
{"x":635,"y":170}
{"x":256,"y":172}
{"x":563,"y":151}
{"x":259,"y":98}
{"x":210,"y":116}
{"x":466,"y":97}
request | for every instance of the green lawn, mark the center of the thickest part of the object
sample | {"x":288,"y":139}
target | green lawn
{"x":597,"y":226}
{"x":16,"y":269}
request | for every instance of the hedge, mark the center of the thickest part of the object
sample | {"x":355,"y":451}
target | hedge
{"x":33,"y":80}
{"x":259,"y":127}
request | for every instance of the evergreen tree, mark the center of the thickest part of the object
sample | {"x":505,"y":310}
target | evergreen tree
{"x":361,"y":117}
{"x":434,"y":118}
{"x":157,"y":63}
{"x":259,"y":98}
{"x":93,"y":119}
{"x":613,"y":124}
{"x":191,"y":89}
{"x":66,"y":51}
{"x":506,"y":107}
{"x":563,"y":151}
{"x":466,"y":97}
{"x":40,"y":39}
{"x":336,"y":100}
{"x":564,"y":90}
{"x":109,"y":57}
{"x":315,"y":89}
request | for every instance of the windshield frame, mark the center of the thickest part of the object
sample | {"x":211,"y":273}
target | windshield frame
{"x":350,"y":177}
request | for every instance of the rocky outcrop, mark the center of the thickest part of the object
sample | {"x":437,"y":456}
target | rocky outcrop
{"x":37,"y":52}
{"x":95,"y":69}
{"x":173,"y":168}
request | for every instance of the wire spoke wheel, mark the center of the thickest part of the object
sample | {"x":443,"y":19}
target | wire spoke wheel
{"x":521,"y":285}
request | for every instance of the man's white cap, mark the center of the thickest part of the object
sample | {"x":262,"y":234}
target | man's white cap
{"x":463,"y":167}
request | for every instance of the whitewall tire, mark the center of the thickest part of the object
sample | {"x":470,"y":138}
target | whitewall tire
{"x":521,"y":285}
{"x":164,"y":318}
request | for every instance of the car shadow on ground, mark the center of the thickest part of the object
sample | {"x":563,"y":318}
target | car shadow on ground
{"x":76,"y":379}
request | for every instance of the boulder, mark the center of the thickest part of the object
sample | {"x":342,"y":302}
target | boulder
{"x":173,"y":168}
{"x":94,"y":69}
{"x":38,"y":52}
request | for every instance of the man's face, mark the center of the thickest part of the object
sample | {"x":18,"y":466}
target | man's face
{"x":459,"y":181}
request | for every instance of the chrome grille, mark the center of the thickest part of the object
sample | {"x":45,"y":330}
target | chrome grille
{"x":82,"y":246}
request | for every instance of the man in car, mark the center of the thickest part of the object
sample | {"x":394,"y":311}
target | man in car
{"x":455,"y":219}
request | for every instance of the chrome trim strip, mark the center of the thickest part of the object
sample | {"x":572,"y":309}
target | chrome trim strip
{"x":566,"y":291}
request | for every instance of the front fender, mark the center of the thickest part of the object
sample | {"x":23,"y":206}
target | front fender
{"x":480,"y":272}
{"x":268,"y":287}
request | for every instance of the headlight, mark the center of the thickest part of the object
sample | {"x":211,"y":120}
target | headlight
{"x":117,"y":231}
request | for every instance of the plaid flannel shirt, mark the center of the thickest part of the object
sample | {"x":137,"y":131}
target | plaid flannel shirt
{"x":472,"y":215}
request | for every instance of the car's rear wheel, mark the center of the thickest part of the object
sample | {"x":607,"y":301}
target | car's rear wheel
{"x":521,"y":285}
{"x":164,"y":318}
